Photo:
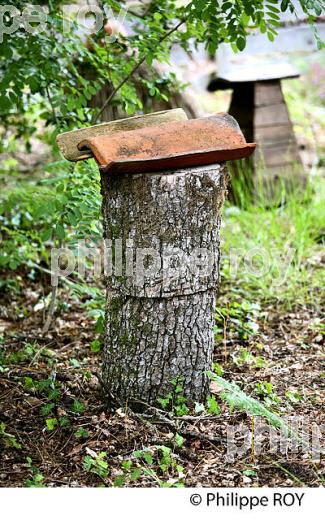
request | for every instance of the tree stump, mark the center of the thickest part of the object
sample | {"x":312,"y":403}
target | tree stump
{"x":162,"y":232}
{"x":162,"y":237}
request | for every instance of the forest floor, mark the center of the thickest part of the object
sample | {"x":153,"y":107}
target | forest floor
{"x":57,"y":429}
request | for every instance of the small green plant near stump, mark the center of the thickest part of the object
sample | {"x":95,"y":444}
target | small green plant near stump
{"x":158,"y":462}
{"x":37,"y":478}
{"x":7,"y":439}
{"x":96,"y":464}
{"x":175,"y":401}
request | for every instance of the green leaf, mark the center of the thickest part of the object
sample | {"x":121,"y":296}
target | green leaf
{"x":273,"y":22}
{"x":147,"y":457}
{"x":51,"y":424}
{"x":72,"y":218}
{"x":262,"y":27}
{"x":213,"y":406}
{"x":241,"y":43}
{"x":100,"y":325}
{"x":95,"y":346}
{"x":47,"y":408}
{"x":249,"y":473}
{"x":127,"y":464}
{"x":273,"y":8}
{"x":77,"y":406}
{"x":137,"y":454}
{"x":47,"y":234}
{"x":64,"y":421}
{"x":136,"y":473}
{"x":274,"y":16}
{"x":81,"y":433}
{"x":5,"y":102}
{"x":179,"y":440}
{"x":29,"y":382}
{"x":119,"y":481}
{"x":284,"y":5}
{"x":218,"y":369}
{"x":60,"y":232}
{"x":5,"y":51}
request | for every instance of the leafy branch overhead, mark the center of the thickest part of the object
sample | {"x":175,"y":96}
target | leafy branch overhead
{"x":40,"y":68}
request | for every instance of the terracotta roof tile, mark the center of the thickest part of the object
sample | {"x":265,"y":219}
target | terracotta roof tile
{"x":171,"y":145}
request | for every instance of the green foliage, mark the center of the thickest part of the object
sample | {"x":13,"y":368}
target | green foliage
{"x":77,"y":406}
{"x":250,"y":473}
{"x":51,"y":391}
{"x":212,"y":406}
{"x":294,"y":398}
{"x":35,"y":218}
{"x":129,"y":474}
{"x":37,"y":478}
{"x":48,"y":388}
{"x":175,"y":401}
{"x":285,"y":240}
{"x":159,"y":463}
{"x":51,"y":423}
{"x":96,"y":464}
{"x":179,"y":440}
{"x":95,"y":346}
{"x":265,"y":391}
{"x":236,"y":398}
{"x":244,"y":357}
{"x":7,"y":439}
{"x":217,"y":369}
{"x":81,"y":433}
{"x":42,"y":67}
{"x":240,"y":317}
{"x":30,"y":352}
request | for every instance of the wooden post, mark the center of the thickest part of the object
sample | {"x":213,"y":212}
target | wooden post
{"x":160,"y":321}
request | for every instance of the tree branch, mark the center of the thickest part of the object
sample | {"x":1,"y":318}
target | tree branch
{"x":134,"y":69}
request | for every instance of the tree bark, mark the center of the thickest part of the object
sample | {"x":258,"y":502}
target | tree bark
{"x":163,"y":231}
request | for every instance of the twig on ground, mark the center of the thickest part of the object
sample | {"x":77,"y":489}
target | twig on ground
{"x":174,"y":423}
{"x":51,"y":310}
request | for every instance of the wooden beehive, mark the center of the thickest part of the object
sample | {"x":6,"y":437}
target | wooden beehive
{"x":262,"y":113}
{"x":257,"y":103}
